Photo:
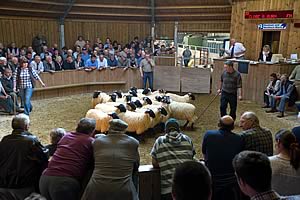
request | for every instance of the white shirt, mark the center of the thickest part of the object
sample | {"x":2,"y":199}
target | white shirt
{"x":238,"y":48}
{"x":102,"y":63}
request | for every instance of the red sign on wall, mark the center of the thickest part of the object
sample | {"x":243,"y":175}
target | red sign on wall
{"x":282,"y":14}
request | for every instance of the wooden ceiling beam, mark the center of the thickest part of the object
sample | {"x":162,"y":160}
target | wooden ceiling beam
{"x":29,"y":10}
{"x":84,"y":5}
{"x":192,"y":7}
{"x":195,"y":15}
{"x":110,"y":14}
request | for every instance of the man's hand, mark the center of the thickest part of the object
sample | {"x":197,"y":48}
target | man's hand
{"x":219,"y":91}
{"x":44,"y":85}
{"x":142,"y":75}
{"x":240,"y":97}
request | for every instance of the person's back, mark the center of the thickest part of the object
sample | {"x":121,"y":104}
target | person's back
{"x":220,"y":147}
{"x":168,"y":151}
{"x":22,"y":160}
{"x":70,"y":164}
{"x":285,"y":179}
{"x":116,"y":159}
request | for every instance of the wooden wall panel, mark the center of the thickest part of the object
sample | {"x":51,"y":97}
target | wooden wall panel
{"x":123,"y":32}
{"x":166,"y":29}
{"x":22,"y":30}
{"x":246,"y":31}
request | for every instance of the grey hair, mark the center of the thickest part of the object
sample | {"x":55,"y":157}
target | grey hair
{"x":21,"y":121}
{"x":249,"y":115}
{"x":56,"y":134}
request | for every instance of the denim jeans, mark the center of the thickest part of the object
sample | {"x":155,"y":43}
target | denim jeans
{"x":282,"y":102}
{"x":149,"y":76}
{"x":26,"y":95}
{"x":232,"y":100}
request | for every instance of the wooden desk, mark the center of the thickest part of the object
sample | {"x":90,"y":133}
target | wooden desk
{"x":255,"y":82}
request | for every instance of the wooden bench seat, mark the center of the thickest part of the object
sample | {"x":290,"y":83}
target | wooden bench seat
{"x":80,"y":85}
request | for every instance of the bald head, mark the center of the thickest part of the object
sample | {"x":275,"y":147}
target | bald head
{"x":226,"y":123}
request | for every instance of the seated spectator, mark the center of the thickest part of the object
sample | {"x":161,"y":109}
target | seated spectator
{"x":191,"y":180}
{"x":287,"y":93}
{"x":37,"y":64}
{"x":8,"y":85}
{"x":285,"y":165}
{"x":13,"y":49}
{"x":219,"y":148}
{"x":116,"y":158}
{"x":2,"y":50}
{"x":168,"y":151}
{"x":53,"y":48}
{"x":49,"y":65}
{"x":55,"y":137}
{"x":64,"y":52}
{"x":265,"y":55}
{"x":45,"y":53}
{"x":69,"y":164}
{"x":296,"y":132}
{"x":29,"y":56}
{"x":91,"y":63}
{"x":80,"y":42}
{"x":79,"y":62}
{"x":102,"y":62}
{"x":56,"y":55}
{"x":256,"y":138}
{"x":112,"y":62}
{"x":58,"y":63}
{"x":22,"y":161}
{"x":3,"y":64}
{"x":133,"y":61}
{"x":272,"y":89}
{"x":69,"y":64}
{"x":123,"y":61}
{"x":69,"y":53}
{"x":13,"y":64}
{"x":6,"y":103}
{"x":254,"y":174}
{"x":85,"y":55}
{"x":77,"y":51}
{"x":30,"y":49}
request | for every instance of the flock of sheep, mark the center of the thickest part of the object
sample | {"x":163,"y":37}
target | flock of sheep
{"x":140,"y":109}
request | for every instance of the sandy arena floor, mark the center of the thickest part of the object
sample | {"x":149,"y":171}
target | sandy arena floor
{"x":66,"y":111}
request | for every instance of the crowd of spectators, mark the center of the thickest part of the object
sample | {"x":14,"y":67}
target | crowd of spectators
{"x":82,"y":56}
{"x":82,"y":165}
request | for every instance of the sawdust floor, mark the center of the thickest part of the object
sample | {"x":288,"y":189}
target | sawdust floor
{"x":66,"y":111}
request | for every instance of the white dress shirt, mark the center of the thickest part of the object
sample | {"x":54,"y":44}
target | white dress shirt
{"x":238,"y":48}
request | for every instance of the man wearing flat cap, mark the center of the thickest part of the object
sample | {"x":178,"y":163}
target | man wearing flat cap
{"x":168,"y":151}
{"x":230,"y":89}
{"x":116,"y":160}
{"x":219,"y":148}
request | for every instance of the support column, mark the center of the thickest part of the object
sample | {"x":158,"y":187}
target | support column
{"x":152,"y":23}
{"x":176,"y":41}
{"x":61,"y":33}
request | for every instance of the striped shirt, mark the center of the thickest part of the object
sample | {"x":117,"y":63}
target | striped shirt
{"x":169,"y":152}
{"x":25,"y":78}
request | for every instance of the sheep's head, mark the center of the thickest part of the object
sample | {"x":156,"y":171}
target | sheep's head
{"x":162,"y":91}
{"x":114,"y":115}
{"x":166,"y":99}
{"x":163,"y":111}
{"x":133,"y":93}
{"x":192,"y":97}
{"x":131,"y":105}
{"x":146,"y":91}
{"x":133,"y":89}
{"x":118,"y":93}
{"x":113,"y":97}
{"x":121,"y":107}
{"x":150,"y":113}
{"x":158,"y":98}
{"x":96,"y":94}
{"x":138,"y":103}
{"x":147,"y":100}
{"x":128,"y":98}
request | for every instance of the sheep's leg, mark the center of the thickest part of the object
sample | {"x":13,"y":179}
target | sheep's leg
{"x":185,"y":125}
{"x":192,"y":126}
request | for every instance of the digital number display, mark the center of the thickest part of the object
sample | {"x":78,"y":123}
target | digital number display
{"x":269,"y":14}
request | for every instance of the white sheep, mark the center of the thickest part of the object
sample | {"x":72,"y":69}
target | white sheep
{"x":185,"y":98}
{"x":102,"y":97}
{"x":183,"y":111}
{"x":105,"y":107}
{"x":138,"y":122}
{"x":102,"y":119}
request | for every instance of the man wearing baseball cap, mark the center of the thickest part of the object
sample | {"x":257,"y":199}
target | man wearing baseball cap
{"x":168,"y":151}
